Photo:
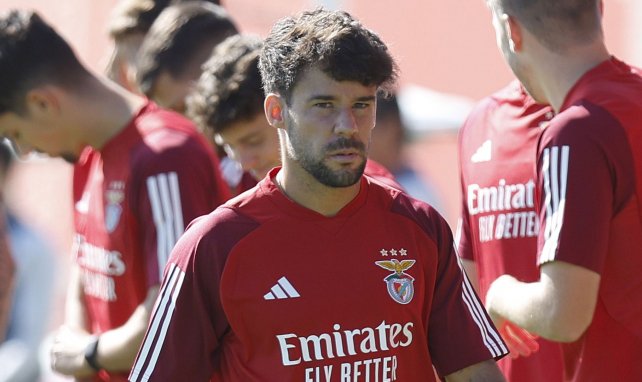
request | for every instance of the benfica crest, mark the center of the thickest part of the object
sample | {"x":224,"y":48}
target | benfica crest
{"x":400,"y":284}
{"x":114,"y":197}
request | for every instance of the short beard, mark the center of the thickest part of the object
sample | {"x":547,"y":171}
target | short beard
{"x":319,"y":170}
{"x":332,"y":178}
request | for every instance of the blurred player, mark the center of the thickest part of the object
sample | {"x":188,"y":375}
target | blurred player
{"x":128,"y":24}
{"x":499,"y":223}
{"x":177,"y":44}
{"x":319,"y":272}
{"x":31,"y":302}
{"x":141,"y":174}
{"x":589,"y":179}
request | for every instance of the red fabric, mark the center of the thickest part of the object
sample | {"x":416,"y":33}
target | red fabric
{"x":500,"y":224}
{"x":133,"y":200}
{"x":591,"y":213}
{"x":234,"y":320}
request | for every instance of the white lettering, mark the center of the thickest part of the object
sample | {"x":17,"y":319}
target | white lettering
{"x":370,"y":370}
{"x":368,"y":344}
{"x":313,"y":374}
{"x":502,"y":197}
{"x":99,"y":286}
{"x":99,"y":259}
{"x":382,"y":335}
{"x":316,"y":342}
{"x":317,"y":347}
{"x":408,"y":333}
{"x":285,"y":356}
{"x":486,"y":227}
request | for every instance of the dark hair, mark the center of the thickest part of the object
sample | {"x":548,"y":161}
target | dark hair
{"x":388,"y":107}
{"x":134,"y":16}
{"x":32,"y":53}
{"x":558,"y":24}
{"x":229,"y":89}
{"x":334,"y":42}
{"x":7,"y":155}
{"x":177,"y":36}
{"x":137,"y":16}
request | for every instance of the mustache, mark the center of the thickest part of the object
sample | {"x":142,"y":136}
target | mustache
{"x":346,"y":143}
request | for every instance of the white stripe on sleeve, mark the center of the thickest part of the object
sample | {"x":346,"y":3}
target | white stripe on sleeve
{"x":159,"y":322}
{"x":555,"y":173}
{"x":165,"y":199}
{"x":490,"y":337}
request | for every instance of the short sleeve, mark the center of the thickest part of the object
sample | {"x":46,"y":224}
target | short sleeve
{"x":173,"y":187}
{"x":579,"y":164}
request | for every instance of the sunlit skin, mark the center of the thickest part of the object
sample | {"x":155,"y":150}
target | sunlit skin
{"x":329,"y":126}
{"x":169,"y":91}
{"x":252,"y":143}
{"x":510,"y":46}
{"x":325,"y":134}
{"x":31,"y":135}
{"x":61,"y":122}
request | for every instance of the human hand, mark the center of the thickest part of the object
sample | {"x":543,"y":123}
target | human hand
{"x":67,"y":353}
{"x":520,"y":342}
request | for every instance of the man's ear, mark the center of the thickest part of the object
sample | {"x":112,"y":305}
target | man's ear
{"x":42,"y":102}
{"x":513,"y":33}
{"x":274,"y":109}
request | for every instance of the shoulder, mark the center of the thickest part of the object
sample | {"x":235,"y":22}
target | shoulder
{"x":214,"y":234}
{"x":420,"y":213}
{"x":164,"y":130}
{"x":580,"y":122}
{"x":377,"y":171}
{"x":169,"y":139}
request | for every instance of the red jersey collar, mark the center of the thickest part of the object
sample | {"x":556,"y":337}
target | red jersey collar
{"x":268,"y":186}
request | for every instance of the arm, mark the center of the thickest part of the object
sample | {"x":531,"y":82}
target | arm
{"x":460,"y":333}
{"x":116,"y":348}
{"x":486,"y":371}
{"x":75,"y":315}
{"x":558,"y":307}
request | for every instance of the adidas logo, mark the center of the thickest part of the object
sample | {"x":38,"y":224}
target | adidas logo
{"x":482,"y":154}
{"x":282,"y":289}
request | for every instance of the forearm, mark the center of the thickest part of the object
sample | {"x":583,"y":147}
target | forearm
{"x":524,"y":304}
{"x":117,"y":348}
{"x":75,"y":316}
{"x":558,"y":307}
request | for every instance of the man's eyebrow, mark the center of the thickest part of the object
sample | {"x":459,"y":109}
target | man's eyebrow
{"x":322,"y":97}
{"x":366,"y":98}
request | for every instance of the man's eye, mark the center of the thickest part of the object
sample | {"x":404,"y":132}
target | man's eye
{"x":361,"y":105}
{"x":323,"y":105}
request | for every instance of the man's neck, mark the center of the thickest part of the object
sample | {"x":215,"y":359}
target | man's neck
{"x":304,"y":189}
{"x":562,"y":71}
{"x":106,"y":110}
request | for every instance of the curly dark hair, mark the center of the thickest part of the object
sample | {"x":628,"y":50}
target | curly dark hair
{"x":229,"y":89}
{"x":334,"y":42}
{"x":32,"y":53}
